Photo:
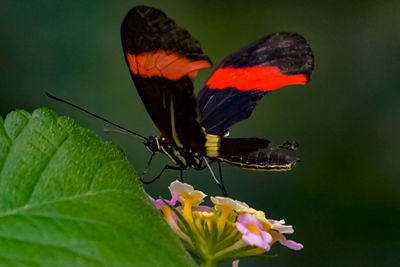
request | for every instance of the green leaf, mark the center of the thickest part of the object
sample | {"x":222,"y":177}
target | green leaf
{"x":68,"y":199}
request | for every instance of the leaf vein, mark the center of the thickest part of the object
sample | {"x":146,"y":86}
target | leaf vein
{"x":44,"y":169}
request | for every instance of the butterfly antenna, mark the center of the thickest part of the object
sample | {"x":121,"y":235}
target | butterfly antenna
{"x":94,"y":115}
{"x":120,"y":132}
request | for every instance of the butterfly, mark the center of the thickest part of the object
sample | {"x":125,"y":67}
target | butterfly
{"x":164,"y":59}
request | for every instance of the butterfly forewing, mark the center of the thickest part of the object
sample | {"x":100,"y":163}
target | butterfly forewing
{"x":163,"y":59}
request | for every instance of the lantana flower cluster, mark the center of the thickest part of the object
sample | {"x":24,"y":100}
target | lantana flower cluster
{"x":228,"y":231}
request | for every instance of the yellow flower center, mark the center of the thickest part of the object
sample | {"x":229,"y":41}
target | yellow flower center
{"x":253,"y":228}
{"x":225,"y":211}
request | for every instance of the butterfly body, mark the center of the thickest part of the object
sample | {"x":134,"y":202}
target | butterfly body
{"x":179,"y":156}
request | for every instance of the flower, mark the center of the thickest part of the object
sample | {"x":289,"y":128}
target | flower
{"x":187,"y":196}
{"x":251,"y":228}
{"x":228,"y":231}
{"x":186,"y":193}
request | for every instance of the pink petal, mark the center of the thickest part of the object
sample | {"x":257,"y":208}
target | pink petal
{"x":253,"y":239}
{"x":266,"y":237}
{"x":173,"y":200}
{"x":290,"y":243}
{"x":246,"y":219}
{"x":256,"y":240}
{"x":159,"y":203}
{"x":261,"y":240}
{"x":242,"y":228}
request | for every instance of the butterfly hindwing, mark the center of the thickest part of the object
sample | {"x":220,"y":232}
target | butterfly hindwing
{"x":249,"y":153}
{"x":163,"y":59}
{"x":245,"y":76}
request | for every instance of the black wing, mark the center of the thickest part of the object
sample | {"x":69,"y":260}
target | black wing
{"x":250,"y":153}
{"x":163,"y":59}
{"x":245,"y":76}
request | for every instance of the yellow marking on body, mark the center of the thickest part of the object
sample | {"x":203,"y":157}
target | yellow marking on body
{"x":174,"y":133}
{"x":212,"y":145}
{"x":212,"y":154}
{"x":180,"y":157}
{"x":212,"y":139}
{"x":168,"y":155}
{"x":158,"y":145}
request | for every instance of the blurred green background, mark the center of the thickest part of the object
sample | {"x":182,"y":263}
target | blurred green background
{"x":343,"y":198}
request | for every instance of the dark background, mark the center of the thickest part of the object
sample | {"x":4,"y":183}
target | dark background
{"x":343,"y":198}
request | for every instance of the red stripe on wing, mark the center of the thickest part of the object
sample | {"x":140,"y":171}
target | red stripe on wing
{"x":253,"y":78}
{"x":164,"y":64}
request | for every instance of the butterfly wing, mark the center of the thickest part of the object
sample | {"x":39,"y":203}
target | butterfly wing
{"x":250,"y":153}
{"x":232,"y":92}
{"x":163,"y":59}
{"x":245,"y":76}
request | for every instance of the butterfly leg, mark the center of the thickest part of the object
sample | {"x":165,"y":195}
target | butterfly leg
{"x":181,"y":170}
{"x":166,"y":167}
{"x":222,"y":186}
{"x":199,"y":168}
{"x":147,"y":167}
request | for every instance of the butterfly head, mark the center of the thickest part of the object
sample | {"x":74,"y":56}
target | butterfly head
{"x":153,"y":143}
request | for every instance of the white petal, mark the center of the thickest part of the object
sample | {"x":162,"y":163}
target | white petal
{"x":177,"y":187}
{"x":235,"y":204}
{"x":281,"y":227}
